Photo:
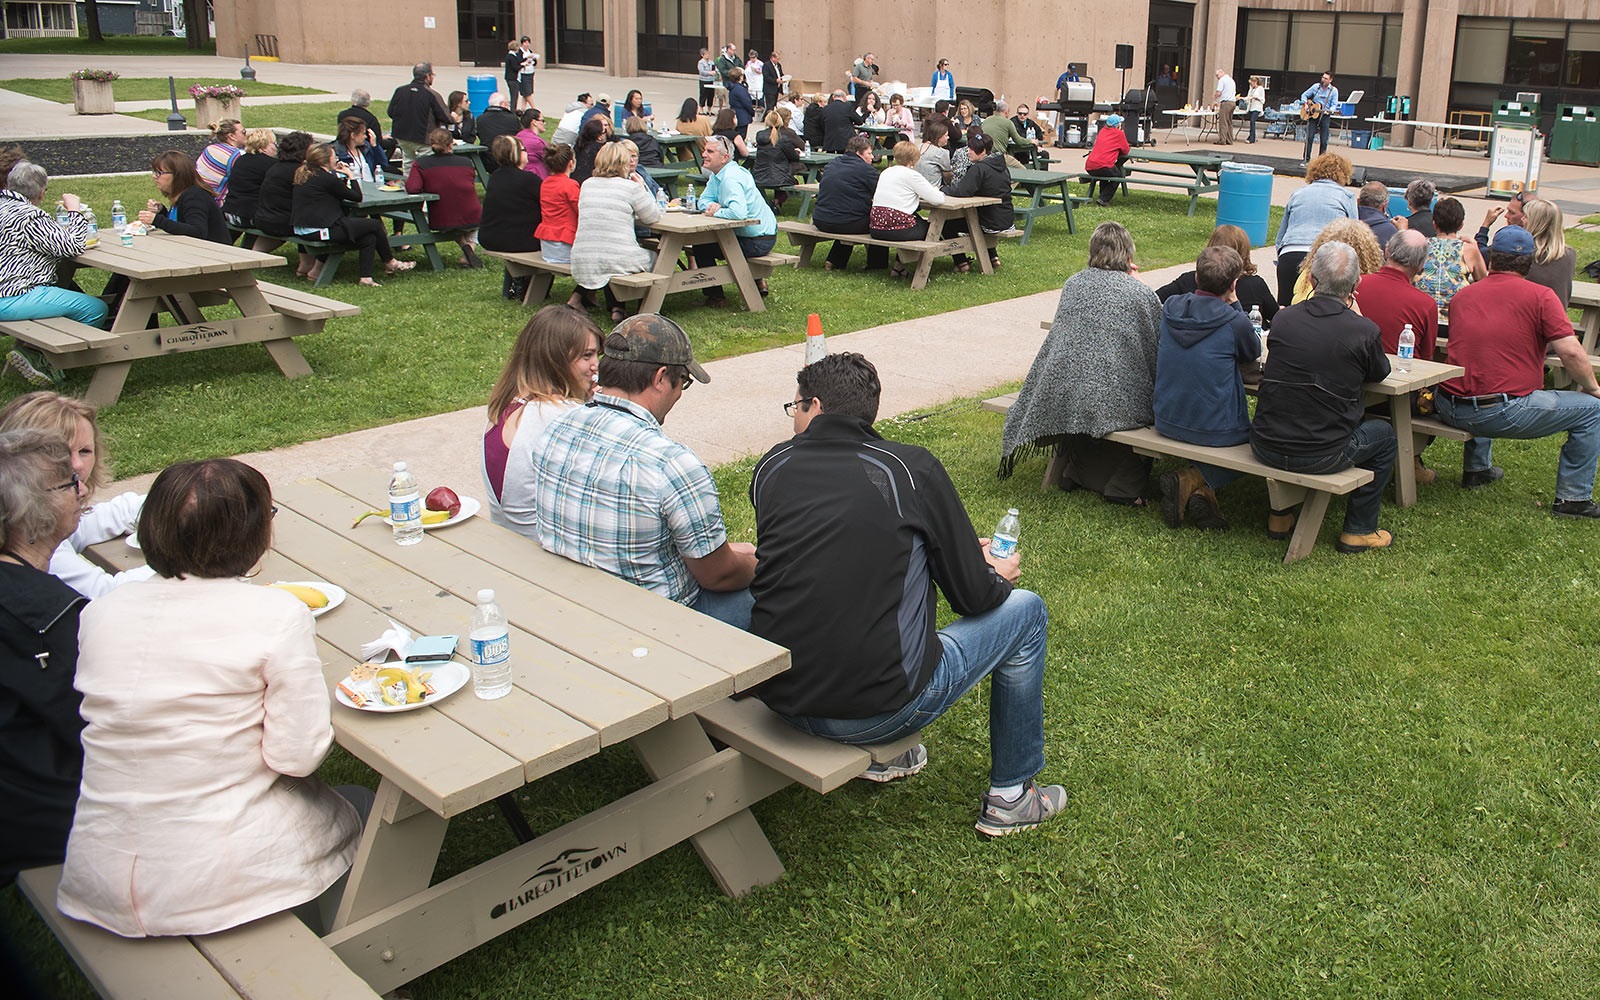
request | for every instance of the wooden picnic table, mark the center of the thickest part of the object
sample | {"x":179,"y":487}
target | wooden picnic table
{"x":1047,"y":194}
{"x":378,"y":203}
{"x":1586,"y":299}
{"x":597,"y":662}
{"x":682,"y":143}
{"x":670,"y":174}
{"x":682,"y":230}
{"x":183,"y":275}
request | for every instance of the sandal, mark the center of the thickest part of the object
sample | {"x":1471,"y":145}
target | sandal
{"x":397,"y":266}
{"x":898,"y":271}
{"x":369,"y":283}
{"x":963,"y":268}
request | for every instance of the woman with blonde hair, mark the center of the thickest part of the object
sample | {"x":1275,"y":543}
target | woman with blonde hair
{"x":244,"y":180}
{"x":551,"y":369}
{"x":610,"y":204}
{"x":1351,"y":232}
{"x":1553,"y":261}
{"x":1324,"y":198}
{"x":777,"y":157}
{"x":1252,"y":288}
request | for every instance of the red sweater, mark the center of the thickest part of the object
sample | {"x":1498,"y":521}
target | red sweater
{"x":558,"y":205}
{"x":1109,"y":143}
{"x":454,"y":179}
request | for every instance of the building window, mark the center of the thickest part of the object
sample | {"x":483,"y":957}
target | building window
{"x":1360,"y":43}
{"x":1266,"y":40}
{"x":1536,"y":53}
{"x":1481,"y":50}
{"x":1583,"y":57}
{"x":1311,"y":43}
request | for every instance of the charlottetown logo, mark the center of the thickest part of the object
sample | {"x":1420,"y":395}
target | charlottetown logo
{"x":196,"y":335}
{"x":568,"y":866}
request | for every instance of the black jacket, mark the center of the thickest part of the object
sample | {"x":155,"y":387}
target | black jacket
{"x":244,"y":186}
{"x":510,"y":211}
{"x":649,"y":149}
{"x":320,"y":202}
{"x":988,"y":178}
{"x":277,"y":199}
{"x":839,"y":121}
{"x":844,"y":197}
{"x":416,"y":109}
{"x":855,"y":535}
{"x":465,"y":130}
{"x":776,"y":162}
{"x":771,"y":82}
{"x":41,"y":758}
{"x":812,"y":129}
{"x":495,"y":121}
{"x":195,"y":213}
{"x":365,"y":115}
{"x":1253,"y":291}
{"x":1311,"y":398}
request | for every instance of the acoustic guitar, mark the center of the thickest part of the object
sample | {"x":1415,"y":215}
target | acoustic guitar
{"x":1311,"y":110}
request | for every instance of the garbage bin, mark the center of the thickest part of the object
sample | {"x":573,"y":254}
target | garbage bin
{"x":1245,"y":199}
{"x":479,"y":90}
{"x":1575,"y":136}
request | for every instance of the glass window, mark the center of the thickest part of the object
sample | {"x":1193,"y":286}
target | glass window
{"x":1391,"y":47}
{"x":1311,"y":42}
{"x":694,"y":18}
{"x":1266,"y":38}
{"x":1481,"y":50}
{"x":1583,"y":57}
{"x":593,"y":15}
{"x":1536,"y":52}
{"x":1360,"y":39}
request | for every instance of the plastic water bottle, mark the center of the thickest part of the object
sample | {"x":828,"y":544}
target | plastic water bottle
{"x":119,"y":216}
{"x":491,"y":649}
{"x":405,"y":506}
{"x":1408,"y":348}
{"x":1004,"y":540}
{"x":807,"y":151}
{"x":63,"y":217}
{"x":1255,"y":320}
{"x":689,"y":204}
{"x":94,"y":227}
{"x":661,"y":198}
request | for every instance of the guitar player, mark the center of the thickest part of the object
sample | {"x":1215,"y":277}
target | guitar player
{"x":1317,"y":103}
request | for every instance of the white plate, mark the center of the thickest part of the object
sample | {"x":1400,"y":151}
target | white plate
{"x":469,"y":508}
{"x":447,"y":679}
{"x":336,"y":594}
{"x":132,"y":539}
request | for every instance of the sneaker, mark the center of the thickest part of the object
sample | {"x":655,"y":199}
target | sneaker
{"x":1474,"y":478}
{"x":903,"y":766}
{"x":997,"y":817}
{"x":33,"y":367}
{"x":1575,"y":508}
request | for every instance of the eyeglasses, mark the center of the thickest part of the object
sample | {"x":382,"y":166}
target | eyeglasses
{"x":75,"y":486}
{"x":789,"y":408}
{"x":686,"y":380}
{"x":160,"y":173}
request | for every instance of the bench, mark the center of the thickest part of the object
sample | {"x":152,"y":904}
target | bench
{"x":267,"y":959}
{"x":1139,"y":175}
{"x":334,"y":252}
{"x":1284,"y":489}
{"x":805,"y":236}
{"x":624,"y":287}
{"x":821,"y":765}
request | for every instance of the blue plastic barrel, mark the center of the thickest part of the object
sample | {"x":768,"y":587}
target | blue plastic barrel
{"x":1397,"y":202}
{"x":479,"y":90}
{"x":1245,"y":199}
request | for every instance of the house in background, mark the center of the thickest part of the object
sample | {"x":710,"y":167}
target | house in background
{"x":37,"y":19}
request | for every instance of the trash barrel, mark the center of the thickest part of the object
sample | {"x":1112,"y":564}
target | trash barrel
{"x":479,"y":90}
{"x":1397,"y":202}
{"x":1245,"y":199}
{"x":1575,"y":136}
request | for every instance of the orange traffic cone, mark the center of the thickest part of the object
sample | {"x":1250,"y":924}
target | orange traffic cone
{"x":816,"y":346}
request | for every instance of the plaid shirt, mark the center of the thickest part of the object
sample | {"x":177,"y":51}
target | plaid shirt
{"x":616,"y":493}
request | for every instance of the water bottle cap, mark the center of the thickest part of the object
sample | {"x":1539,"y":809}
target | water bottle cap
{"x":1012,"y":511}
{"x":486,"y":596}
{"x":399,"y":466}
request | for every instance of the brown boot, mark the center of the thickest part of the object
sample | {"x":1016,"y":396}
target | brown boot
{"x":1203,"y":512}
{"x":1280,"y":523}
{"x":1176,"y":489}
{"x":1352,"y":544}
{"x":1425,"y":475}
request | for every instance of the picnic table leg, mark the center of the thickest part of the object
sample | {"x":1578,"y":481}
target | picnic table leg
{"x":1405,"y":464}
{"x":419,"y":218}
{"x":919,"y":278}
{"x":735,"y":851}
{"x":667,"y":253}
{"x":284,"y":352}
{"x":740,"y":267}
{"x":398,"y":849}
{"x":1307,"y":526}
{"x":1066,"y":201}
{"x":980,"y":246}
{"x":330,"y":269}
{"x":105,"y":385}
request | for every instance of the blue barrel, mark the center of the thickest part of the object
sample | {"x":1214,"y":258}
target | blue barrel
{"x":1245,"y":199}
{"x":479,"y":90}
{"x":1397,"y":202}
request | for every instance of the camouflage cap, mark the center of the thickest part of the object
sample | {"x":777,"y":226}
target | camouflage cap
{"x":653,"y":339}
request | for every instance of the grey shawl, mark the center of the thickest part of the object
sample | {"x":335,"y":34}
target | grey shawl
{"x":1096,"y":371}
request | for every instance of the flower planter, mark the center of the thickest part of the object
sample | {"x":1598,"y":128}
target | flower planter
{"x":208,"y":110}
{"x":93,"y":97}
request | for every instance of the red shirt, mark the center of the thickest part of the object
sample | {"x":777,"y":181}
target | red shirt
{"x":1499,"y":330}
{"x":558,"y":205}
{"x":454,"y":179}
{"x":1109,"y":143}
{"x":1389,"y":299}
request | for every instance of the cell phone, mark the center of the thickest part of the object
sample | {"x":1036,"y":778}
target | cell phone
{"x":432,"y":648}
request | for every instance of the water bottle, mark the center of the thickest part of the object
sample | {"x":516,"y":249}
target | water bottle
{"x":1255,"y":320}
{"x":119,"y":216}
{"x":807,"y":151}
{"x":1408,"y":348}
{"x":63,"y":217}
{"x":1004,"y":540}
{"x":94,"y":227}
{"x":491,"y":649}
{"x":405,"y":506}
{"x":688,"y":199}
{"x":661,"y":198}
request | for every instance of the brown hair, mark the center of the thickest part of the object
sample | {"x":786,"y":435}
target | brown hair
{"x":210,"y":519}
{"x":59,"y":416}
{"x":440,"y":142}
{"x":1238,"y":241}
{"x":504,"y":149}
{"x":222,"y":129}
{"x":1328,"y":167}
{"x":180,"y":166}
{"x":1216,"y":269}
{"x":540,"y":365}
{"x":1448,"y":215}
{"x":1111,"y":247}
{"x":725,"y":119}
{"x":634,"y":123}
{"x":318,"y":158}
{"x":558,"y":157}
{"x":10,"y":155}
{"x":348,"y":129}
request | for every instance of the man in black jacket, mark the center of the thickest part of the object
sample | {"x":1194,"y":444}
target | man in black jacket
{"x":360,"y":102}
{"x":415,"y":110}
{"x":855,"y":535}
{"x":839,"y":121}
{"x":844,"y":203}
{"x":497,"y":119}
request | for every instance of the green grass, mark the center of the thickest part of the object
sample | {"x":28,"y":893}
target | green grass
{"x":1354,"y":777}
{"x":148,"y":88}
{"x":112,"y":45}
{"x":316,"y":118}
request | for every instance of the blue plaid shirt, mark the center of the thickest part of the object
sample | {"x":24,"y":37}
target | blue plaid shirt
{"x":616,"y":493}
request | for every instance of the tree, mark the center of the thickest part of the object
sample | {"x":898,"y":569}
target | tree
{"x":196,"y":15}
{"x":91,"y":17}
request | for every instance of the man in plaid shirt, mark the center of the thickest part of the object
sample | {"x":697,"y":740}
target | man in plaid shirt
{"x":616,"y":493}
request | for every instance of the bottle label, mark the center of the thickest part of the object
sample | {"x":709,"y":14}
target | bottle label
{"x":403,"y":510}
{"x":1407,"y":351}
{"x":1001,"y":547}
{"x":491,"y":651}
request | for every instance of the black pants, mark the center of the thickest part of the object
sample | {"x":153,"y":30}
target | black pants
{"x":839,"y":255}
{"x":1107,"y":188}
{"x":705,"y":95}
{"x":1288,"y":274}
{"x":367,"y":236}
{"x":954,"y":228}
{"x":707,"y":255}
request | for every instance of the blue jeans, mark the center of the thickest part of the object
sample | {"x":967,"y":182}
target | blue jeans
{"x":1536,"y":415}
{"x":1371,"y":446}
{"x":1216,"y":478}
{"x":48,"y":302}
{"x":1318,"y":128}
{"x":1009,"y":642}
{"x":732,"y":607}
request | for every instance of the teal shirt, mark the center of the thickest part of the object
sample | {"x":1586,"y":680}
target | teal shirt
{"x":736,"y":194}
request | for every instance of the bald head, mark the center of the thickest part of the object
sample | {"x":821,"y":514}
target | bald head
{"x":1407,"y":250}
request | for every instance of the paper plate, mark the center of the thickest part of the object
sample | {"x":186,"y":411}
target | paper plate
{"x":335,"y":594}
{"x":469,"y":508}
{"x":447,"y":679}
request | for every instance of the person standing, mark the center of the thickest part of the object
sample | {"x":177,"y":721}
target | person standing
{"x":771,"y":80}
{"x":513,"y":69}
{"x":861,"y":75}
{"x":1255,"y":104}
{"x":944,"y":82}
{"x":416,"y":109}
{"x":706,"y":69}
{"x":1325,"y":96}
{"x":530,"y":62}
{"x":1226,"y":96}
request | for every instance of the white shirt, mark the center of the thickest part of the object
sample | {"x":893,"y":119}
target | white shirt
{"x":567,"y":128}
{"x":103,"y":522}
{"x":514,"y":507}
{"x":1226,"y":89}
{"x":904,"y":190}
{"x":1257,"y":99}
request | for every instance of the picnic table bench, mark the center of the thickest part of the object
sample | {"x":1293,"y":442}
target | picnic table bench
{"x":1201,"y":176}
{"x":1047,"y":194}
{"x":974,"y":241}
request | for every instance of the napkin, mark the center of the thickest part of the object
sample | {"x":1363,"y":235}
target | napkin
{"x":396,"y":640}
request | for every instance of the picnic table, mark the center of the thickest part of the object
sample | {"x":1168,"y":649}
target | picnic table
{"x":1586,"y":299}
{"x":671,"y":141}
{"x":1202,"y":176}
{"x":598,"y":662}
{"x":668,"y":175}
{"x":1047,"y":194}
{"x":183,"y":276}
{"x":682,"y":230}
{"x":974,"y":242}
{"x":402,"y":205}
{"x":479,"y":155}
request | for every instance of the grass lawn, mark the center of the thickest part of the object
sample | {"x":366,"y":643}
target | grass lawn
{"x":148,"y":88}
{"x":316,"y":118}
{"x":111,"y":45}
{"x":1350,"y":777}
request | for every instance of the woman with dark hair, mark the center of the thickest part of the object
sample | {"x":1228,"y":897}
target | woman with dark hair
{"x":558,"y":206}
{"x":532,"y":139}
{"x":194,"y":211}
{"x":206,"y":716}
{"x":691,"y":122}
{"x":510,"y":208}
{"x":596,"y":132}
{"x":777,"y":157}
{"x":987,"y":177}
{"x":1452,"y":263}
{"x":639,"y":134}
{"x":321,"y":195}
{"x":275,"y":205}
{"x":727,"y":126}
{"x":633,"y":106}
{"x":739,"y":99}
{"x":39,"y":722}
{"x":933,"y":156}
{"x":463,"y":127}
{"x":551,"y":369}
{"x":354,"y":146}
{"x":457,"y":212}
{"x":872,"y":112}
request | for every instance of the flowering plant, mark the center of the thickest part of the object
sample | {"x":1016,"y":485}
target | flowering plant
{"x":218,"y":91}
{"x":96,"y":75}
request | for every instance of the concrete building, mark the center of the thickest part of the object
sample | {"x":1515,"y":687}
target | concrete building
{"x":1445,"y":54}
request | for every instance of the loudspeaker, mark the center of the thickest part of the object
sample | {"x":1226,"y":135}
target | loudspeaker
{"x":1124,"y":57}
{"x":1358,"y":176}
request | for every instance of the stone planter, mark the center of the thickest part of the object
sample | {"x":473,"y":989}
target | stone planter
{"x":212,"y":109}
{"x":92,"y":97}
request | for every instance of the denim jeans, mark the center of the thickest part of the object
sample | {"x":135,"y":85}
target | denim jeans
{"x":731,"y":607}
{"x":48,"y":301}
{"x":1371,"y":446}
{"x":1009,"y":642}
{"x":1536,"y":415}
{"x":707,"y":254}
{"x":1216,"y":478}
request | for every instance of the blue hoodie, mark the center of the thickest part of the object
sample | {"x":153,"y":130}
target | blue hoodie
{"x":1199,"y":396}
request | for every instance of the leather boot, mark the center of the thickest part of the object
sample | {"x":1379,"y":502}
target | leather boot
{"x":1425,"y":475}
{"x":1203,"y":512}
{"x":1280,"y":523}
{"x":1176,"y":489}
{"x":1352,"y":544}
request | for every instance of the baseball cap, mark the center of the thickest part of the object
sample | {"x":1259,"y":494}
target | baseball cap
{"x":1512,"y":239}
{"x":1113,"y":120}
{"x":653,"y":339}
{"x":602,"y":98}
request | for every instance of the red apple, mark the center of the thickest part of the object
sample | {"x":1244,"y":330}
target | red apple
{"x":444,"y":498}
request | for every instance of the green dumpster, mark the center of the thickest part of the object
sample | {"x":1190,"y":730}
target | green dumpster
{"x":1515,"y":113}
{"x":1575,"y":137}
